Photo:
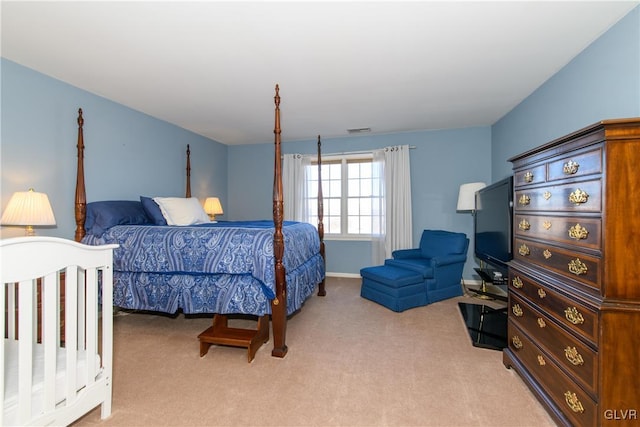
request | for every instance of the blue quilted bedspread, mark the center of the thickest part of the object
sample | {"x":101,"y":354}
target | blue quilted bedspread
{"x":225,"y":267}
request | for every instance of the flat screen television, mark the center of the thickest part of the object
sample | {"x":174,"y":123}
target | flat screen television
{"x":493,"y":224}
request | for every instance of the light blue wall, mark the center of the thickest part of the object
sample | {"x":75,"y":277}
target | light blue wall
{"x":603,"y":82}
{"x":441,"y":161}
{"x":127,"y":153}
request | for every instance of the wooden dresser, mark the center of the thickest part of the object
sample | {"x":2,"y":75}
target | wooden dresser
{"x":574,"y":282}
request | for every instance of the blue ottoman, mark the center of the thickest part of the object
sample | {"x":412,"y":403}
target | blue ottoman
{"x":395,"y":288}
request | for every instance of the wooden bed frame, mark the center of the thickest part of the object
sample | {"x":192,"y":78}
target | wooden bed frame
{"x":220,"y":333}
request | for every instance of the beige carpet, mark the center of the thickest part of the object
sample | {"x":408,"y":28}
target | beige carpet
{"x":351,"y":362}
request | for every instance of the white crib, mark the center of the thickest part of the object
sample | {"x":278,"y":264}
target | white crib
{"x":58,"y":330}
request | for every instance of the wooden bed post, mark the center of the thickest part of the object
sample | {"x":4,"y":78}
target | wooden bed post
{"x":279,"y":303}
{"x":81,"y":194}
{"x":188,"y":190}
{"x":321,"y":290}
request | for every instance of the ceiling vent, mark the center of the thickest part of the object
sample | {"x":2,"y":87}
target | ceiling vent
{"x":359,"y":130}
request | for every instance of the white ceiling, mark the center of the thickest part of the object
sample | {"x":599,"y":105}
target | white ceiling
{"x":211,"y":67}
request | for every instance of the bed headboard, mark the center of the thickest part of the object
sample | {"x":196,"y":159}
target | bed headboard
{"x":81,"y":192}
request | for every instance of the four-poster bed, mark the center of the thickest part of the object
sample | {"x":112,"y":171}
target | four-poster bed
{"x":223,"y":268}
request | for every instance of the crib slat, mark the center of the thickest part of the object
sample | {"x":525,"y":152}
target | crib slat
{"x":26,"y":304}
{"x":92,"y":323}
{"x":71,"y":332}
{"x":11,"y":307}
{"x":50,"y":338}
{"x":82,"y":313}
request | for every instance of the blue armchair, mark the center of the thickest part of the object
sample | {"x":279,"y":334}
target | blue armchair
{"x":440,"y":260}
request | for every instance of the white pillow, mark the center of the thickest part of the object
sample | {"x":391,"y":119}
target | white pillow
{"x":181,"y":211}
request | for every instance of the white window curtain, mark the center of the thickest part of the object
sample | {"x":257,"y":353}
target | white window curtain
{"x":393,"y":214}
{"x":294,"y":186}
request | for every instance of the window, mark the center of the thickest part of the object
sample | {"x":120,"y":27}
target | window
{"x":351,"y":196}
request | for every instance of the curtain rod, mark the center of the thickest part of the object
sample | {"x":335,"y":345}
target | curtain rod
{"x":344,"y":153}
{"x":358,"y":152}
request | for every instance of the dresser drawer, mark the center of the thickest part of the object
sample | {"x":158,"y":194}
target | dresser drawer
{"x":578,"y":164}
{"x":581,"y":267}
{"x":582,"y":232}
{"x":567,"y":396}
{"x":574,"y":356}
{"x":532,"y":175}
{"x":582,"y":196}
{"x":573,"y":315}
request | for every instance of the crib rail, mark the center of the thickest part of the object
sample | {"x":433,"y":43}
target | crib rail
{"x":57,"y":298}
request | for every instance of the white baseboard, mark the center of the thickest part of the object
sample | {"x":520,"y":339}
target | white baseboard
{"x":347,"y":275}
{"x":471,"y":282}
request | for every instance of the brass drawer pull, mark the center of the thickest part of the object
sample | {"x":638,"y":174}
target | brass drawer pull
{"x":541,"y":322}
{"x":528,"y":176}
{"x":524,"y":200}
{"x":541,"y":360}
{"x":577,"y":267}
{"x":524,"y":225}
{"x":573,"y":402}
{"x":517,"y":310}
{"x":546,"y":254}
{"x":516,"y":341}
{"x":541,"y":293}
{"x":570,"y":168}
{"x":572,"y":355}
{"x":546,"y":195}
{"x":578,"y":197}
{"x":524,"y":250}
{"x":546,"y":225}
{"x":578,"y":232}
{"x":574,"y":316}
{"x":517,"y":282}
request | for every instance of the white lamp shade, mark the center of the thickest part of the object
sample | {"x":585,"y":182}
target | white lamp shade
{"x":28,"y":208}
{"x":212,"y":206}
{"x":467,"y":196}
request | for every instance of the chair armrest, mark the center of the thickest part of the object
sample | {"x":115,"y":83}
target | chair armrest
{"x":448,"y":259}
{"x":406,"y":253}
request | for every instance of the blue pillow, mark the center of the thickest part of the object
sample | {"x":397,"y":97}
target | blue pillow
{"x":153,"y":211}
{"x":101,"y":216}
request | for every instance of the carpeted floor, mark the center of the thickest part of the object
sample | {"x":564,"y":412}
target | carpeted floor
{"x":351,"y":362}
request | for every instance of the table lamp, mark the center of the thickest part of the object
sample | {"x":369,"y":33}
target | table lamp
{"x":28,"y":208}
{"x":213,"y":207}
